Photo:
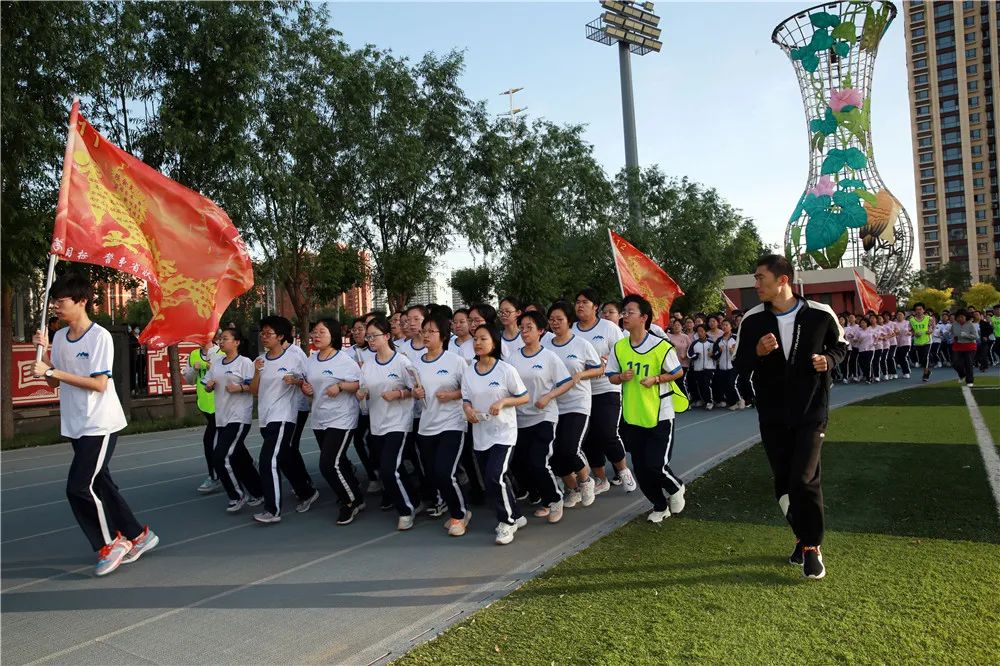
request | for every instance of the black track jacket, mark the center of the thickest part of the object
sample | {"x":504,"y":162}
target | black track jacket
{"x":791,"y":392}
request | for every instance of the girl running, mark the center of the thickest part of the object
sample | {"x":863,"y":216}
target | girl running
{"x":904,"y":337}
{"x":702,"y":369}
{"x":864,"y":339}
{"x":509,"y":313}
{"x":361,"y":354}
{"x":491,"y":391}
{"x":463,"y":336}
{"x":725,"y":374}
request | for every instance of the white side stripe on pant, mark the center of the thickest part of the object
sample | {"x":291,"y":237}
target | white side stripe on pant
{"x":503,"y":485}
{"x":229,"y":453}
{"x":275,"y":479}
{"x":102,"y":518}
{"x":399,"y":479}
{"x":579,"y":444}
{"x":336,"y":466}
{"x":454,"y":469}
{"x":666,"y":458}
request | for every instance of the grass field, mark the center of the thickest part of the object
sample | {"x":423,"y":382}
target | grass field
{"x":912,"y":552}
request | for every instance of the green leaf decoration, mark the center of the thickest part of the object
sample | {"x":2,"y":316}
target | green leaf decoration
{"x":817,"y":142}
{"x":835,"y":252}
{"x":824,"y":20}
{"x":822,"y":230}
{"x":867,"y":196}
{"x":846,"y":183}
{"x":852,"y":214}
{"x":846,"y":31}
{"x":827,"y":125}
{"x":842,"y":49}
{"x":797,"y":236}
{"x":839,"y":158}
{"x":855,"y":158}
{"x":810,"y":63}
{"x":821,"y":40}
{"x":815,"y":205}
{"x":856,"y":122}
{"x":846,"y":81}
{"x":874,"y":27}
{"x":797,"y":213}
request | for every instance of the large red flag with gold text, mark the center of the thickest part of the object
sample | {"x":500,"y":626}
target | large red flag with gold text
{"x":870,"y":300}
{"x":116,"y":211}
{"x":637,"y":274}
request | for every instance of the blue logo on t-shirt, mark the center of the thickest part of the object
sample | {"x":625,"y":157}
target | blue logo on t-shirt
{"x":496,"y":384}
{"x":328,"y":372}
{"x":537,"y":366}
{"x":597,"y":337}
{"x":83,"y":355}
{"x":573,"y":356}
{"x":282,"y":369}
{"x":442,"y":372}
{"x":393,"y":375}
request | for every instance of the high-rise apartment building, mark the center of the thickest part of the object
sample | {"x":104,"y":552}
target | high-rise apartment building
{"x":954,"y":76}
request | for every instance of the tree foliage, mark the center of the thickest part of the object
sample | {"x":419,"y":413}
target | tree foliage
{"x":950,"y":274}
{"x":981,"y":296}
{"x":474,"y":285}
{"x":933,"y":299}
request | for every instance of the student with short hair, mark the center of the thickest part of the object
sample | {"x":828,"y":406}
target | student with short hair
{"x":702,"y":369}
{"x":920,"y":324}
{"x":91,"y":417}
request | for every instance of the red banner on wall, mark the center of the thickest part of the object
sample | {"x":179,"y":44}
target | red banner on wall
{"x":158,"y":369}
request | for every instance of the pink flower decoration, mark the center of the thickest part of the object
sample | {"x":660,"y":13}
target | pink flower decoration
{"x":824,"y":187}
{"x":846,"y":97}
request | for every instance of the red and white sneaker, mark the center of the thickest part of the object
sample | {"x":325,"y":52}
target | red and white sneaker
{"x":141,"y":544}
{"x":110,"y":556}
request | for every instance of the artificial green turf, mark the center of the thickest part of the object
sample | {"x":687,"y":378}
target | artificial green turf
{"x":912,"y":548}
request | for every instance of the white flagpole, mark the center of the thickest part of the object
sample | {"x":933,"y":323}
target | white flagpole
{"x":614,"y":260}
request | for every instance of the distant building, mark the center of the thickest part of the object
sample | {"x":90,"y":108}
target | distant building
{"x":435,"y":289}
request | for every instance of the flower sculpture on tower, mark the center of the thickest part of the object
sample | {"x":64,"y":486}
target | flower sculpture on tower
{"x":846,"y":215}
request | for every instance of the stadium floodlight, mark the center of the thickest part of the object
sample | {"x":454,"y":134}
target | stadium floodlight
{"x":635,"y":28}
{"x":510,"y":95}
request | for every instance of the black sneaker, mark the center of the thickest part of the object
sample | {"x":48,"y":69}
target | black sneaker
{"x":348,"y":512}
{"x":535,"y":500}
{"x":387,"y":505}
{"x":812,"y":563}
{"x":796,"y":556}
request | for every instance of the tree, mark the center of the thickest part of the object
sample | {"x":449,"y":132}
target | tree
{"x":933,"y":299}
{"x":410,"y":126}
{"x":693,"y":233}
{"x":474,"y":285}
{"x":951,"y":274}
{"x":981,"y":296}
{"x":540,"y":207}
{"x":48,"y":57}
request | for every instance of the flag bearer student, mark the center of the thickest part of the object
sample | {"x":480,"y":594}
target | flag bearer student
{"x":387,"y":386}
{"x":491,"y":390}
{"x":277,"y":377}
{"x":331,"y":380}
{"x":646,"y":368}
{"x":90,"y":416}
{"x":369,"y":458}
{"x":583,"y":363}
{"x":602,"y":442}
{"x":199,"y":361}
{"x":702,"y":368}
{"x":229,"y":380}
{"x":442,"y":429}
{"x":546,"y":377}
{"x":792,"y":345}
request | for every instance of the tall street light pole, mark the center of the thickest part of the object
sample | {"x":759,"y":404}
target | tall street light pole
{"x":633,"y":26}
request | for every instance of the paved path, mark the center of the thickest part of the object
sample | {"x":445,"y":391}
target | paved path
{"x":221,"y":589}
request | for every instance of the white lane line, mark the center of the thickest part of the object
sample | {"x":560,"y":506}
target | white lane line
{"x":117,"y":456}
{"x":991,"y":461}
{"x":10,"y":456}
{"x":220,"y":595}
{"x":144,"y":485}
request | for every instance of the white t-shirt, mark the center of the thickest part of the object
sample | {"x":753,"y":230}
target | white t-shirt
{"x":362,"y":355}
{"x":700,"y":353}
{"x":577,"y":355}
{"x":302,"y":402}
{"x":727,"y":349}
{"x":340,"y":411}
{"x":407,"y":349}
{"x":903,"y":334}
{"x":393,"y":375}
{"x":786,"y":328}
{"x":84,"y":412}
{"x":541,"y":372}
{"x":671,"y":364}
{"x":481,"y":391}
{"x":465,"y":350}
{"x":442,"y":374}
{"x":232,"y":407}
{"x":508,"y":347}
{"x":276,"y":400}
{"x":603,"y":335}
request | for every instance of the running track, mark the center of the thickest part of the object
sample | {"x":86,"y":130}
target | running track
{"x":221,"y":589}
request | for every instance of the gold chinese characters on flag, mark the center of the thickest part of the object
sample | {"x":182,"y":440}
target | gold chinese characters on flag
{"x":116,"y":211}
{"x":638,"y":274}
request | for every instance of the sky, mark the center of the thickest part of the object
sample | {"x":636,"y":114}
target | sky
{"x":719,"y":104}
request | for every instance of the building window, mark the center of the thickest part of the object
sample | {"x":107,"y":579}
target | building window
{"x":948,"y":89}
{"x":920,"y":63}
{"x":952,"y":137}
{"x":921,"y":95}
{"x":974,"y":117}
{"x":983,"y":247}
{"x":924,"y":126}
{"x":970,"y":37}
{"x":917,"y":17}
{"x":930,"y":235}
{"x":943,"y":9}
{"x":970,"y":20}
{"x":974,"y":101}
{"x":927,"y":189}
{"x":979,"y":198}
{"x":953,"y":202}
{"x":972,"y":69}
{"x":923,"y":110}
{"x":945,"y":41}
{"x":952,"y":153}
{"x":956,"y":234}
{"x":931,"y":252}
{"x":944,"y":26}
{"x":977,"y":150}
{"x":946,"y":73}
{"x":982,"y":231}
{"x":978,"y":182}
{"x":920,"y":80}
{"x":949,"y":105}
{"x":977,"y":166}
{"x":954,"y":186}
{"x":969,"y":4}
{"x":920,"y":48}
{"x":970,"y":53}
{"x":981,"y":215}
{"x":930,"y":220}
{"x":976,"y":134}
{"x":973,"y":85}
{"x":930,"y":204}
{"x":947,"y":122}
{"x":918,"y":32}
{"x":928,"y":173}
{"x":925,"y":142}
{"x":953,"y":170}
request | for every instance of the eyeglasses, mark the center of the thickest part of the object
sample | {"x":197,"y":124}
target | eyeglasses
{"x":506,"y":312}
{"x":369,"y":338}
{"x":267,"y":334}
{"x":631,"y":313}
{"x":431,"y":330}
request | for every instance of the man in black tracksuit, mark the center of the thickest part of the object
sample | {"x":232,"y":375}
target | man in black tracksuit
{"x":791,"y":345}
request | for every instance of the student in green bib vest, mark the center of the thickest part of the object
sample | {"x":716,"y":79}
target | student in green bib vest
{"x":920,"y":324}
{"x":199,"y":362}
{"x":646,"y":368}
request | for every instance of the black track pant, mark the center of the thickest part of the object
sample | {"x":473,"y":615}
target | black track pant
{"x":361,"y":444}
{"x":865,"y":363}
{"x":495,"y":463}
{"x":603,"y":442}
{"x":397,"y":485}
{"x":853,"y":367}
{"x":745,"y":387}
{"x":794,"y":455}
{"x":277,"y":457}
{"x":538,"y":442}
{"x":725,"y":386}
{"x":208,"y":442}
{"x":422,"y":470}
{"x":702,"y":380}
{"x":903,"y":359}
{"x":651,"y":450}
{"x":890,"y":360}
{"x":93,"y":495}
{"x":334,"y":465}
{"x":442,"y":453}
{"x":570,"y":432}
{"x":922,"y":352}
{"x":477,"y":486}
{"x":964,"y":365}
{"x":233,"y":463}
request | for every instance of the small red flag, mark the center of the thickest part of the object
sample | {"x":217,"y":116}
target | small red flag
{"x":637,"y":274}
{"x":730,"y":306}
{"x":116,"y":211}
{"x":870,"y":300}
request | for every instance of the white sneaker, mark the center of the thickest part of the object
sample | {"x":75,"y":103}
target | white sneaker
{"x":742,"y":404}
{"x":457,"y":527}
{"x":601,"y":486}
{"x":505,"y":532}
{"x":210,"y":485}
{"x":572,"y":497}
{"x":255,"y":501}
{"x":709,"y":406}
{"x":588,"y":491}
{"x":658,"y":516}
{"x":266,"y":517}
{"x":733,"y":407}
{"x":404,"y":523}
{"x":628,"y":480}
{"x":236,"y":505}
{"x":697,"y":403}
{"x":304,"y":505}
{"x":438,"y":510}
{"x":906,"y":375}
{"x":722,"y":404}
{"x":677,"y":501}
{"x":375,"y":486}
{"x":555,"y":512}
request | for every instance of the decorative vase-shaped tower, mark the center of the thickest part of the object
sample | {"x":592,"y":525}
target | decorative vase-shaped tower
{"x":846,"y":216}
